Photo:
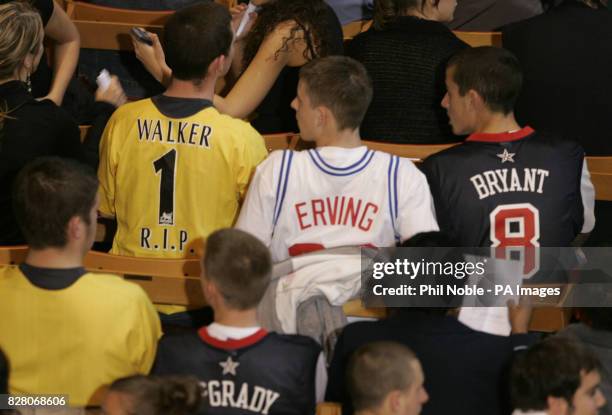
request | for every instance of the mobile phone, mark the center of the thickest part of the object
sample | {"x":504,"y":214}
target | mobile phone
{"x":141,"y":35}
{"x":245,"y":18}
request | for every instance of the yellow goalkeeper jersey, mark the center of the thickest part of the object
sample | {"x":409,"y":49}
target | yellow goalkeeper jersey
{"x":171,"y":172}
{"x":70,"y":332}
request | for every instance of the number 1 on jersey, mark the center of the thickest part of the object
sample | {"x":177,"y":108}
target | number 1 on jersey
{"x":166,"y":164}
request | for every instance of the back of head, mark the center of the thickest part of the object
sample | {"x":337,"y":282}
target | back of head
{"x":494,"y":73}
{"x":312,"y":24}
{"x":434,"y":251}
{"x":386,"y":11}
{"x":239,"y":265}
{"x":377,"y":369}
{"x":341,"y":84}
{"x":47,"y":193}
{"x":21,"y":32}
{"x":551,"y":368}
{"x":156,"y":395}
{"x":194,"y":37}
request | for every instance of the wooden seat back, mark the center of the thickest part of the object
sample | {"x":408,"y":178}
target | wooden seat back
{"x":415,"y":152}
{"x":475,"y":39}
{"x":601,"y":176}
{"x":166,"y":281}
{"x":78,"y":10}
{"x":329,"y":408}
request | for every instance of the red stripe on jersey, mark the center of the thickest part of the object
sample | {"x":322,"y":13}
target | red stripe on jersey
{"x":232,"y":344}
{"x":299,"y":249}
{"x":501,"y":137}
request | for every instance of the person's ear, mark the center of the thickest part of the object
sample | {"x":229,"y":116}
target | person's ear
{"x":211,"y":292}
{"x":28,"y":63}
{"x":393,"y":402}
{"x":322,"y":116}
{"x":217,"y":66}
{"x":557,"y":406}
{"x":76,"y":228}
{"x":475,"y":100}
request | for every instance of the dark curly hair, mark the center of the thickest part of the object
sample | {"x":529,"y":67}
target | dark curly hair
{"x":310,"y":17}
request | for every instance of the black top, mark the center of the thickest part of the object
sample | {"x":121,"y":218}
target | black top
{"x":32,"y":129}
{"x":406,"y":62}
{"x":51,"y":278}
{"x":566,"y":55}
{"x":274,"y":114}
{"x":41,"y":78}
{"x":525,"y":185}
{"x":175,"y":107}
{"x":463,"y":368}
{"x":265,"y":373}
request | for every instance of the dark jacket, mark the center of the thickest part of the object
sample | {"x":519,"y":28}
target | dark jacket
{"x":406,"y":62}
{"x":566,"y":55}
{"x":464,"y":369}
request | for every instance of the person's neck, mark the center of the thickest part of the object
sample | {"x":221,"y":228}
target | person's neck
{"x":419,"y":15}
{"x":496,"y":123}
{"x":368,"y":412}
{"x":60,"y":258}
{"x":188,"y":89}
{"x":236,"y":318}
{"x":345,"y":138}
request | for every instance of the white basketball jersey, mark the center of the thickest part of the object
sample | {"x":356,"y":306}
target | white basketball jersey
{"x":328,"y":197}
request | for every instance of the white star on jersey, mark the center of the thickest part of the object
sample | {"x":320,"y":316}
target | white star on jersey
{"x":505,"y":156}
{"x":229,"y":366}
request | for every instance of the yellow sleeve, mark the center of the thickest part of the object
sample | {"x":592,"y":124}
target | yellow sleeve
{"x":254,"y":152}
{"x":107,"y":168}
{"x":142,"y":342}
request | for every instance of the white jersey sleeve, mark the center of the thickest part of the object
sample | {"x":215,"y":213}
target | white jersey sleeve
{"x":587,"y":192}
{"x":415,"y":209}
{"x":258,"y":210}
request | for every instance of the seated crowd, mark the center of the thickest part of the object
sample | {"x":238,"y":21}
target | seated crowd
{"x":185,"y":176}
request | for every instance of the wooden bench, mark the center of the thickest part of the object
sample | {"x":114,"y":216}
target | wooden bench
{"x":601,"y":176}
{"x":166,"y":281}
{"x":108,"y":28}
{"x":415,"y":152}
{"x":329,"y":408}
{"x":177,"y":282}
{"x":474,"y":39}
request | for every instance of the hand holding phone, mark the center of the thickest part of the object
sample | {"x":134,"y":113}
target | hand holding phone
{"x":103,"y":80}
{"x":245,"y":18}
{"x":141,"y":35}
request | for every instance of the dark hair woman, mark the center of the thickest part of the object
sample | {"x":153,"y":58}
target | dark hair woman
{"x":405,"y":54}
{"x":284,"y":35}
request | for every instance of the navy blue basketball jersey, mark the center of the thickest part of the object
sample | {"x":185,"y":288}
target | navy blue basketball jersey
{"x":522,"y":188}
{"x":265,"y":373}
